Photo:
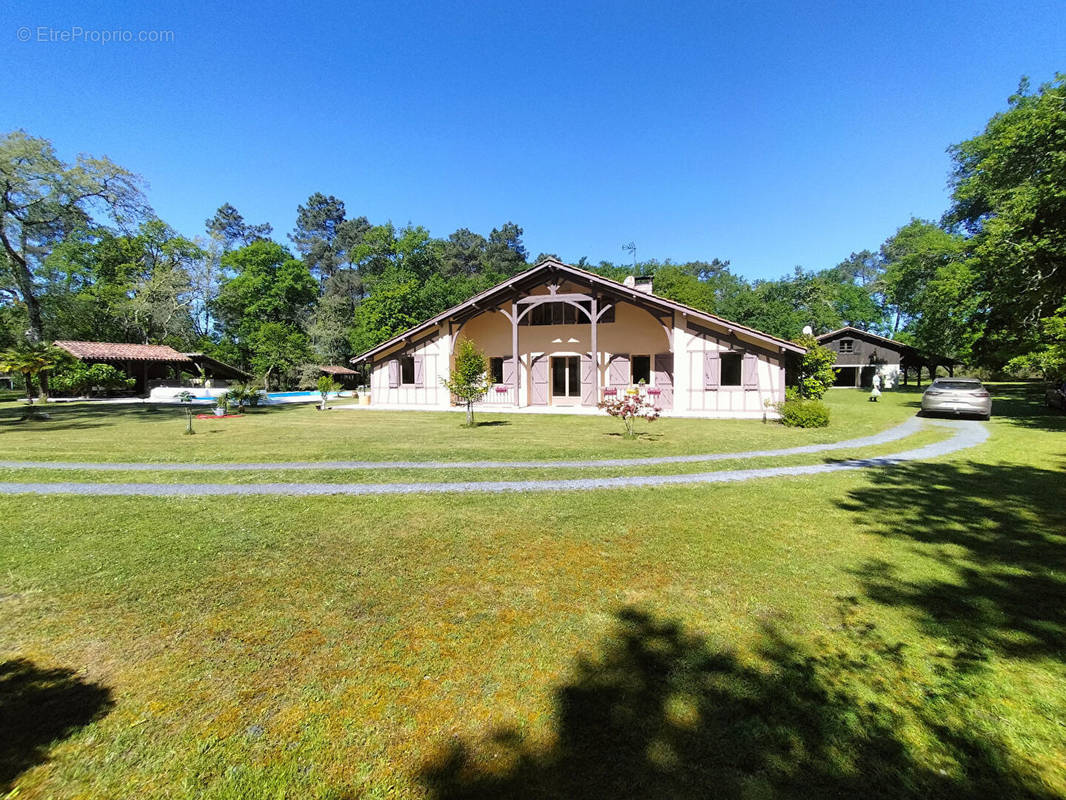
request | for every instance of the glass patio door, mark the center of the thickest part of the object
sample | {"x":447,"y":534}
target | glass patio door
{"x":566,"y":378}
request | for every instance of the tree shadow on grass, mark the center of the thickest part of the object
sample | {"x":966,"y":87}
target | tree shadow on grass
{"x":38,"y":707}
{"x":661,"y":713}
{"x":1022,"y":404}
{"x":996,"y":539}
{"x":64,"y":417}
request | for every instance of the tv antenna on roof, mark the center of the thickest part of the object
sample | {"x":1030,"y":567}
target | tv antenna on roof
{"x":631,"y":248}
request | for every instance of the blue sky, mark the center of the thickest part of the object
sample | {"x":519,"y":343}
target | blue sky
{"x":769,"y":134}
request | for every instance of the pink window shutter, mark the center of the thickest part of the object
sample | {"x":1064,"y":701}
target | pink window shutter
{"x":618,"y":373}
{"x":394,"y":374}
{"x":712,"y":370}
{"x":420,"y":379}
{"x":750,"y":375}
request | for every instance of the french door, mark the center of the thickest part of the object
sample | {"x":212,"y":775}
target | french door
{"x":566,"y":379}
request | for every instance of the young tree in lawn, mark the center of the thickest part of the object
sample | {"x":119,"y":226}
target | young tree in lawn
{"x":326,"y":387}
{"x":43,"y":200}
{"x":468,"y":382}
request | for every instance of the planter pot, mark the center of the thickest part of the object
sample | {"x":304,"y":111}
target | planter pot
{"x":220,"y":412}
{"x":364,"y":399}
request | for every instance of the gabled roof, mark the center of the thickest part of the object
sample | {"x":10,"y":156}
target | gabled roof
{"x":116,"y":351}
{"x":848,"y":329}
{"x":550,"y":266}
{"x":331,"y":369}
{"x":220,"y":369}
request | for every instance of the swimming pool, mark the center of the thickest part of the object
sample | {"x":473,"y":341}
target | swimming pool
{"x":288,"y":397}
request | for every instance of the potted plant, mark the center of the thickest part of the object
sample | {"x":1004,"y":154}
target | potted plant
{"x":221,"y":404}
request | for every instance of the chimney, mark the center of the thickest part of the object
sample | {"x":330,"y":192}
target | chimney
{"x":643,"y":284}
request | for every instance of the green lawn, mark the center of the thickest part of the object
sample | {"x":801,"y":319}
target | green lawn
{"x":87,"y":431}
{"x":895,"y":633}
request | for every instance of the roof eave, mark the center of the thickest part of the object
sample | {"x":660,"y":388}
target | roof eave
{"x":552,"y":265}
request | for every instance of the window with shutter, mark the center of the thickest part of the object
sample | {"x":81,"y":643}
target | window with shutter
{"x":407,"y":370}
{"x":731,"y":369}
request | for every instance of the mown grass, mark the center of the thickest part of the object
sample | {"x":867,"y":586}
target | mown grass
{"x":453,"y":474}
{"x":86,"y":431}
{"x":888,"y":633}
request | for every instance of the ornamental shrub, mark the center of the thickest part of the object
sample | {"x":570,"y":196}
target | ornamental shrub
{"x":801,"y":413}
{"x":81,"y":379}
{"x":628,"y":407}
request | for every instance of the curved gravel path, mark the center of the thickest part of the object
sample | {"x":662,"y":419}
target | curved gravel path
{"x":968,"y":434}
{"x":884,"y":437}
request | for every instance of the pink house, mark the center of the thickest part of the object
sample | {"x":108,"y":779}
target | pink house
{"x":561,"y":338}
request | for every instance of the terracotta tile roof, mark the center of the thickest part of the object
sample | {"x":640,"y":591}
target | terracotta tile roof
{"x":333,"y":370}
{"x":115,"y":351}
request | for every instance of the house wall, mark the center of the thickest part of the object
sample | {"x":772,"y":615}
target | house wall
{"x":435,"y":353}
{"x":634,"y":332}
{"x":691,"y":345}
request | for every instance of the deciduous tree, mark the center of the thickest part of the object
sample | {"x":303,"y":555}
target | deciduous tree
{"x":43,"y":199}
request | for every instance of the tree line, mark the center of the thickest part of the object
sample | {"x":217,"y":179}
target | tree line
{"x":84,"y":257}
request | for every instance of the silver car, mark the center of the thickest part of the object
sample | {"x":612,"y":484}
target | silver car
{"x":957,"y":396}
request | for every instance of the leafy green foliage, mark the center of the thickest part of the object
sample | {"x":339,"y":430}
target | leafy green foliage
{"x":1049,"y":357}
{"x":468,"y":381}
{"x":45,"y":199}
{"x":78,"y":378}
{"x":31,"y":361}
{"x":326,"y":386}
{"x":816,"y":372}
{"x":277,"y":350}
{"x":1009,"y":194}
{"x":268,"y":285}
{"x":803,"y":413}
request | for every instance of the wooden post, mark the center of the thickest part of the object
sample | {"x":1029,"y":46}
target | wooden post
{"x":514,"y":351}
{"x":594,"y":344}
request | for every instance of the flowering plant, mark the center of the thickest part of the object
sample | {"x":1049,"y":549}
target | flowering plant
{"x":629,"y":407}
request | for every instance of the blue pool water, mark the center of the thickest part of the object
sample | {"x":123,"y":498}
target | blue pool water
{"x":273,"y":395}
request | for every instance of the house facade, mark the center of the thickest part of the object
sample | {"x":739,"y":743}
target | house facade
{"x":561,"y":338}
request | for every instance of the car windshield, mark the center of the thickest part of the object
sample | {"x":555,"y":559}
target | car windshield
{"x":957,"y":385}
